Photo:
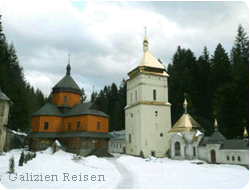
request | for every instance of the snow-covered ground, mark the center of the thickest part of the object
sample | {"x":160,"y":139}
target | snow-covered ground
{"x":89,"y":172}
{"x":122,"y":171}
{"x":165,"y":173}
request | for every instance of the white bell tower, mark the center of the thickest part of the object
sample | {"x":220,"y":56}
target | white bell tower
{"x":147,"y":114}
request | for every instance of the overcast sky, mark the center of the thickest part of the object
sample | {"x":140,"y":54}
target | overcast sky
{"x":105,"y":38}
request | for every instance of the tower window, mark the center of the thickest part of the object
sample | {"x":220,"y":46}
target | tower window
{"x":98,"y":125}
{"x":131,"y":97}
{"x":46,"y":125}
{"x":78,"y":125}
{"x":129,"y":138}
{"x":131,"y":115}
{"x":69,"y":126}
{"x":194,"y":151}
{"x":65,"y":98}
{"x":135,"y":95}
{"x":154,"y":94}
{"x":156,"y":113}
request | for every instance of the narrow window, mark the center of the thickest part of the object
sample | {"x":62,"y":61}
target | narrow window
{"x":177,"y":149}
{"x":131,"y":115}
{"x":46,"y":125}
{"x":78,"y":125}
{"x":154,"y":94}
{"x":129,"y":138}
{"x":98,"y":125}
{"x":185,"y":151}
{"x":238,"y":158}
{"x":131,"y":97}
{"x":65,"y":98}
{"x":135,"y":95}
{"x":156,"y":113}
{"x":194,"y":151}
{"x":232,"y":158}
{"x":227,"y":158}
{"x":69,"y":126}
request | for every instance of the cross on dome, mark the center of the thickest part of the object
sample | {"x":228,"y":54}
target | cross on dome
{"x":69,"y":57}
{"x":145,"y":29}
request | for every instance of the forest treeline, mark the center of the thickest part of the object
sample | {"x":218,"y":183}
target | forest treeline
{"x":26,"y":100}
{"x":217,"y":82}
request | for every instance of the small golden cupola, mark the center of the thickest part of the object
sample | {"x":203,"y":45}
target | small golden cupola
{"x":245,"y":134}
{"x":186,"y":122}
{"x":215,"y":124}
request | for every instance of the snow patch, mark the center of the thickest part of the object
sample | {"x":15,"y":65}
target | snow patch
{"x":48,"y":151}
{"x":57,"y":143}
{"x":198,"y":133}
{"x":95,"y":162}
{"x":180,"y":134}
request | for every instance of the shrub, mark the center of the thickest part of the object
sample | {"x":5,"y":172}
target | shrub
{"x":76,"y":157}
{"x":21,"y":160}
{"x":25,"y":158}
{"x":11,"y":165}
{"x":34,"y":155}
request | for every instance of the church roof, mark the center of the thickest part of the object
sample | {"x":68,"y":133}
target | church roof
{"x":148,"y":60}
{"x":67,"y":84}
{"x":88,"y":108}
{"x":235,"y":144}
{"x":48,"y":109}
{"x":3,"y":96}
{"x":69,"y":134}
{"x":185,"y":123}
{"x":216,"y":138}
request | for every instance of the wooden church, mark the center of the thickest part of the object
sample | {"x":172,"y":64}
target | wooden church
{"x":78,"y":126}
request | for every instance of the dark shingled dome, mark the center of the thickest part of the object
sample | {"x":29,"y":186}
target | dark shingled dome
{"x":67,"y":84}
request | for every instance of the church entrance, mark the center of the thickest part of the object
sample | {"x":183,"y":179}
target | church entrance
{"x":213,"y":157}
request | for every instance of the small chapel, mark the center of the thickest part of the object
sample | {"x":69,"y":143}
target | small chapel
{"x":76,"y":125}
{"x":189,"y":142}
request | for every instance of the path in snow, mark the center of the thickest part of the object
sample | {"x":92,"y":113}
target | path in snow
{"x":127,"y":179}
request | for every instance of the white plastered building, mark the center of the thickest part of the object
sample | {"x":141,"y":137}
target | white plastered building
{"x":147,"y":114}
{"x":188,"y":142}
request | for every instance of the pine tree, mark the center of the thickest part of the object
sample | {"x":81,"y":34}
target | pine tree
{"x":94,"y":95}
{"x":21,"y":160}
{"x":11,"y":165}
{"x":84,"y":96}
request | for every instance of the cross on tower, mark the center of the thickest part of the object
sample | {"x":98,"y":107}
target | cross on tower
{"x":69,"y":56}
{"x":145,"y":29}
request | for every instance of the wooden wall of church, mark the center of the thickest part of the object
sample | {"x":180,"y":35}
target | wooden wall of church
{"x":58,"y":98}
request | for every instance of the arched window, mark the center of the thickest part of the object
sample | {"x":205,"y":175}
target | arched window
{"x":177,"y":149}
{"x":227,"y":158}
{"x":238,"y":158}
{"x":194,"y":151}
{"x":232,"y":158}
